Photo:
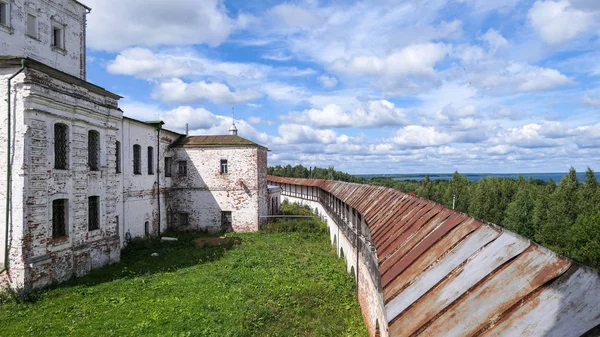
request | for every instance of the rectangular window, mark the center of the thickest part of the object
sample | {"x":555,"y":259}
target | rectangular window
{"x":137,"y":159}
{"x":226,"y":219}
{"x":57,"y":38}
{"x":168,"y":166}
{"x":32,"y":26}
{"x":117,"y":222}
{"x":150,"y":160}
{"x":93,"y":213}
{"x":223,"y":166}
{"x":61,"y":144}
{"x":4,"y":15}
{"x":59,"y":218}
{"x":184,"y":219}
{"x":118,"y":157}
{"x":183,"y":168}
{"x":93,"y":150}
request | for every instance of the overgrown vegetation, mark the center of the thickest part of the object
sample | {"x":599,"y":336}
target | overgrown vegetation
{"x":305,"y":225}
{"x":272,"y":284}
{"x":564,"y":217}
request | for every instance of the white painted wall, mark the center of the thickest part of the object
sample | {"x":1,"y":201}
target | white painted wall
{"x":67,"y":14}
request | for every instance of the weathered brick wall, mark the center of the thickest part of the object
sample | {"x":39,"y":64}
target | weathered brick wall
{"x":204,"y":192}
{"x":41,"y":259}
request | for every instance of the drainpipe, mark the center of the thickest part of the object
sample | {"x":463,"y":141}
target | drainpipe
{"x":9,"y":169}
{"x":158,"y":171}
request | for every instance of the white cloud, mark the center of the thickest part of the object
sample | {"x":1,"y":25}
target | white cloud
{"x":327,"y":82}
{"x":303,"y":134}
{"x":417,"y":60}
{"x":526,"y":136}
{"x":557,"y":22}
{"x":589,"y":100}
{"x":419,"y":136}
{"x":296,"y":17}
{"x":542,"y":79}
{"x":377,"y":113}
{"x":494,"y":39}
{"x":176,"y":91}
{"x":117,"y":24}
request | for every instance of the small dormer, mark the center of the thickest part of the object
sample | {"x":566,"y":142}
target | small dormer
{"x":52,"y":32}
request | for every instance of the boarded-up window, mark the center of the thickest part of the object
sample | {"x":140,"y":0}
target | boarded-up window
{"x":137,"y":159}
{"x":93,"y":150}
{"x":150,"y":160}
{"x":4,"y":15}
{"x":61,"y":146}
{"x":168,"y":162}
{"x":32,"y":26}
{"x":118,"y":157}
{"x":93,"y":213}
{"x":59,"y":218}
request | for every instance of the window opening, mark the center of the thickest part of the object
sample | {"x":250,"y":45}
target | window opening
{"x":182,"y":168}
{"x":150,"y":160}
{"x":4,"y":15}
{"x":57,"y":37}
{"x":93,"y":213}
{"x":184,"y":219}
{"x":223,"y":166}
{"x":93,"y":150}
{"x":168,"y":166}
{"x":61,"y":152}
{"x":137,"y":159}
{"x":59,"y":218}
{"x":226,"y":219}
{"x":118,"y":157}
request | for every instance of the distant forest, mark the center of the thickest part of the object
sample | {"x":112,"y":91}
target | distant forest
{"x":564,"y":217}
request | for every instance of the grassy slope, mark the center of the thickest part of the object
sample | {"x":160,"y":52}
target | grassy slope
{"x":283,"y":284}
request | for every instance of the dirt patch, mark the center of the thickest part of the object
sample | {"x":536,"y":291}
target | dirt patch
{"x":216,"y":241}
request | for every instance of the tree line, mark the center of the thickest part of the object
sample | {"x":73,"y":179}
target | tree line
{"x":563,"y":216}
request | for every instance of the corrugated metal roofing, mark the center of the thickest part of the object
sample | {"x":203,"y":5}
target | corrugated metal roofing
{"x":218,"y":140}
{"x":444,"y":273}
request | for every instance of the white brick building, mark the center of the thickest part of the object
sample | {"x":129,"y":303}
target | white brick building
{"x":83,"y":177}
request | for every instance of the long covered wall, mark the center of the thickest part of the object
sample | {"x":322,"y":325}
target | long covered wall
{"x":438,"y":272}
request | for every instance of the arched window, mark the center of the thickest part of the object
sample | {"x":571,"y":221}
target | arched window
{"x":94,"y":150}
{"x":61,"y":146}
{"x":137,"y":159}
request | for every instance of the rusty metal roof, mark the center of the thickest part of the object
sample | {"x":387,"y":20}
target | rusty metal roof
{"x":444,"y":273}
{"x":218,"y":140}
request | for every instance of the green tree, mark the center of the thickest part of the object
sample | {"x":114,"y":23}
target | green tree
{"x":584,"y":239}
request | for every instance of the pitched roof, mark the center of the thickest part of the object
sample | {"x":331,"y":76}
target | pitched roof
{"x":208,"y":141}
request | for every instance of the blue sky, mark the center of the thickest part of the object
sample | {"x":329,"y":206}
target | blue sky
{"x":367,"y":86}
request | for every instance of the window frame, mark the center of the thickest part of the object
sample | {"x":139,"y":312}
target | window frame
{"x":224,"y":167}
{"x":93,"y":213}
{"x":137,"y":159}
{"x":58,"y":233}
{"x":180,"y":164}
{"x":150,"y":157}
{"x":57,"y":147}
{"x":60,"y":46}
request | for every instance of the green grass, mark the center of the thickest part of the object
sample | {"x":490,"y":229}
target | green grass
{"x":272,"y":284}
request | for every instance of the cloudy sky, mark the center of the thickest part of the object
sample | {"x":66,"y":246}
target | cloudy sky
{"x":368,"y":86}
